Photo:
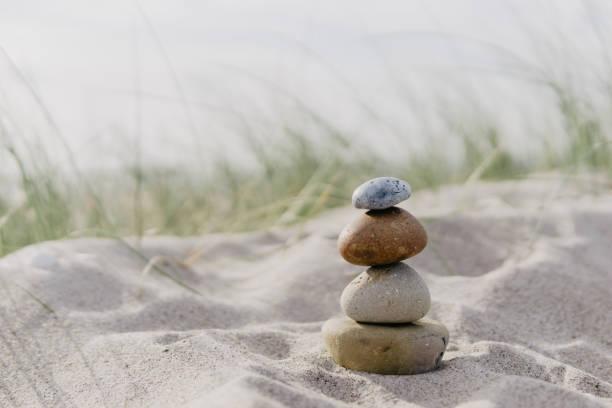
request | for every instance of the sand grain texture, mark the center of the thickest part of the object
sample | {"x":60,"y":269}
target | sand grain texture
{"x":520,"y":275}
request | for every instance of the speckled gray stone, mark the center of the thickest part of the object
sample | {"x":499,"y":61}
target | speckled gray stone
{"x":386,"y":294}
{"x":381,"y":193}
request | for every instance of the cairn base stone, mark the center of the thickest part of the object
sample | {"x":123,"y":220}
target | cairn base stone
{"x":409,"y":348}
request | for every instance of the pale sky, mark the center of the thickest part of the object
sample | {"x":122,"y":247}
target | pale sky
{"x":89,"y":61}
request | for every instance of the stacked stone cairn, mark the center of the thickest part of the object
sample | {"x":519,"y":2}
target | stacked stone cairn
{"x":384,"y":330}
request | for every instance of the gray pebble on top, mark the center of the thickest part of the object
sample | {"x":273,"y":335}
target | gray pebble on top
{"x":381,"y":193}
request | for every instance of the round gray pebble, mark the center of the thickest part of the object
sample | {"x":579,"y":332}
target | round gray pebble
{"x":386,"y":294}
{"x":381,"y":193}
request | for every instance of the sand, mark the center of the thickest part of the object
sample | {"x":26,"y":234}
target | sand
{"x":520,"y":273}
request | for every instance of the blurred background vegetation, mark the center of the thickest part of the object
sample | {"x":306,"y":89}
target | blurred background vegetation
{"x":295,"y":175}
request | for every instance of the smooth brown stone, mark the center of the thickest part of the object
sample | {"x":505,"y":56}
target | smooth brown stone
{"x":410,"y":348}
{"x":381,"y":237}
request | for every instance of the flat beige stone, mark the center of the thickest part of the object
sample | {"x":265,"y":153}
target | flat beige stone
{"x":410,"y":348}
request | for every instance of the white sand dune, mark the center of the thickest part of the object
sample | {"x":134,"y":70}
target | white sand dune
{"x":520,"y":272}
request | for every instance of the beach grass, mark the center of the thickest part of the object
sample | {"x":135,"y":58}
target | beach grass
{"x":295,"y":176}
{"x":294,"y":181}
